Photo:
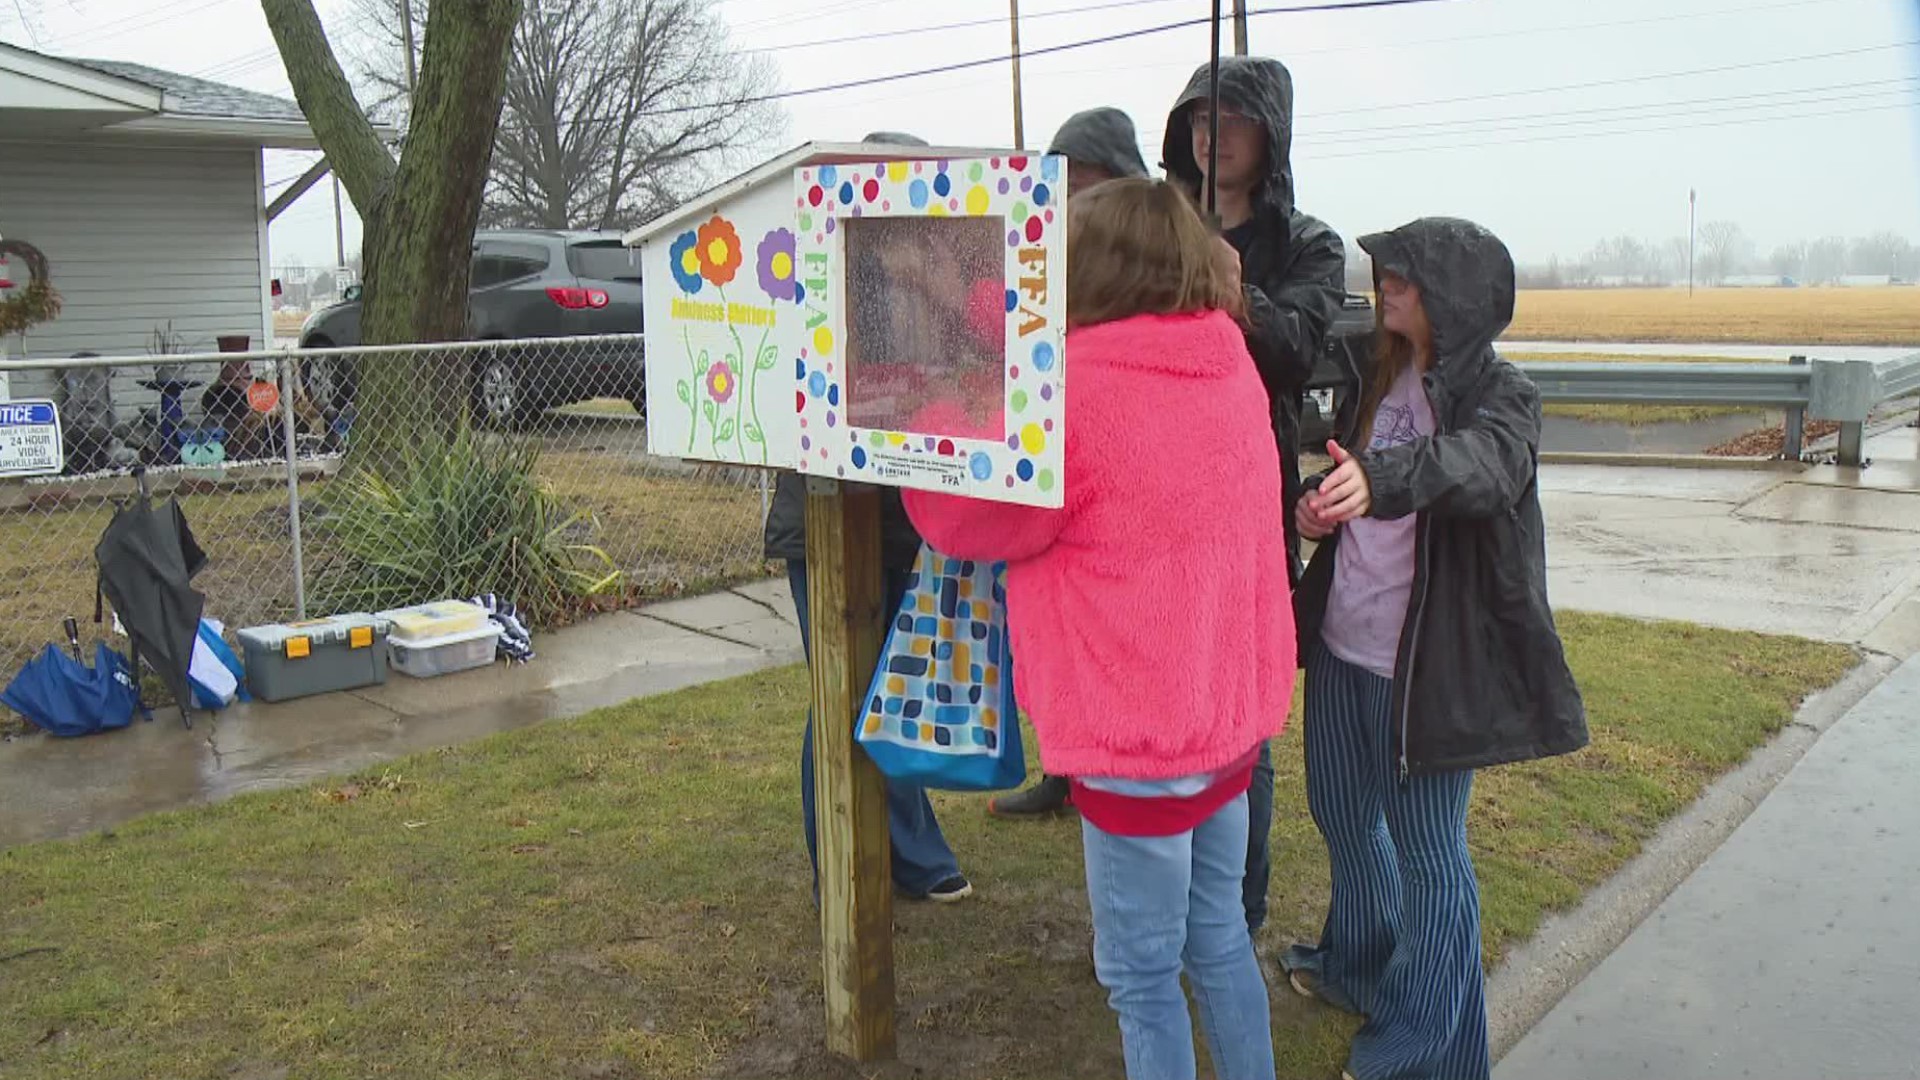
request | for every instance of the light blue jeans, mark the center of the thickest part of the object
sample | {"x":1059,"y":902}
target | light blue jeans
{"x":1164,"y":904}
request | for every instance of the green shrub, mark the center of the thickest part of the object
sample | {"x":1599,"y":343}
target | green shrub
{"x":458,"y":519}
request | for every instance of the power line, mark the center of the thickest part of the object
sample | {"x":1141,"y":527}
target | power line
{"x":1561,"y":117}
{"x":1385,"y":151}
{"x":1624,"y":81}
{"x":971,"y":24}
{"x":140,"y":20}
{"x":965,"y":65}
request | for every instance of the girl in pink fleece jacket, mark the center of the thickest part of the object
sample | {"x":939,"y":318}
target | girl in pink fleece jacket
{"x":1150,"y":618}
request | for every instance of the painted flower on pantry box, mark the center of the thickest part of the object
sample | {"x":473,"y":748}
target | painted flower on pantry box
{"x":720,"y":256}
{"x":776,"y":265}
{"x":684,"y":258}
{"x":720,"y":383}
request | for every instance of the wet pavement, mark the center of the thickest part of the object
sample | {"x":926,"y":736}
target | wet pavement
{"x":1792,"y":951}
{"x":53,"y":788}
{"x":1820,"y":552}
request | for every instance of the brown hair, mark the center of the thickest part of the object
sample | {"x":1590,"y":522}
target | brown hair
{"x":1392,"y":359}
{"x":1138,"y":247}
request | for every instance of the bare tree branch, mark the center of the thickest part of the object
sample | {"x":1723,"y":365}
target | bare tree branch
{"x":590,"y":134}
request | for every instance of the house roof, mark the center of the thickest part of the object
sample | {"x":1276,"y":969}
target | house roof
{"x":188,"y":96}
{"x":63,"y":96}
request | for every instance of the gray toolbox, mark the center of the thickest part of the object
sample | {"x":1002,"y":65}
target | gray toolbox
{"x":320,"y":656}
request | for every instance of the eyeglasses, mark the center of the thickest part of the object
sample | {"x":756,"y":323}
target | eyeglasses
{"x":1229,"y":121}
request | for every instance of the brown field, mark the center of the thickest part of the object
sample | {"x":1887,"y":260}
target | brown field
{"x":287,"y":323}
{"x":1887,"y":316}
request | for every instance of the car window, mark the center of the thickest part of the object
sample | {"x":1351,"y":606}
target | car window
{"x":604,"y":260}
{"x":497,"y":262}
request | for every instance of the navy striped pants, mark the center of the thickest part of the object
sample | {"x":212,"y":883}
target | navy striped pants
{"x":1401,"y":945}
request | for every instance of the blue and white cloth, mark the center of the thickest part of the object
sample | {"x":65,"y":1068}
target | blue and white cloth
{"x":516,"y":641}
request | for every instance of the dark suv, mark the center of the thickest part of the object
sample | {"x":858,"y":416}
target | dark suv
{"x":1333,"y":390}
{"x":525,"y":284}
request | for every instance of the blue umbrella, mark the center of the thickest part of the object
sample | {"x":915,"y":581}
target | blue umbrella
{"x":65,"y":697}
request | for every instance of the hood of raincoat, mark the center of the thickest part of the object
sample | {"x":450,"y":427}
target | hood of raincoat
{"x":1466,"y":281}
{"x":1251,"y":86}
{"x":1103,"y":137}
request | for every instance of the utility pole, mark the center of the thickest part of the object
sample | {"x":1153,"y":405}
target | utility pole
{"x":406,"y":33}
{"x":1019,"y":109}
{"x":1693,"y":231}
{"x":1239,"y":27}
{"x":339,"y":231}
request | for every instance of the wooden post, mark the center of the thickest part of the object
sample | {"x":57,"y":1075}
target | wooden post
{"x":845,"y":599}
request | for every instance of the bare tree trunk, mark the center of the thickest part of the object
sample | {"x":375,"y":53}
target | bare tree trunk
{"x":420,"y":212}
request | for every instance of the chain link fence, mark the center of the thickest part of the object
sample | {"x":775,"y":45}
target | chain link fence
{"x":358,"y":479}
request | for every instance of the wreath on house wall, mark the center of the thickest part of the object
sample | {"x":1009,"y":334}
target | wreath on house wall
{"x":37,"y":302}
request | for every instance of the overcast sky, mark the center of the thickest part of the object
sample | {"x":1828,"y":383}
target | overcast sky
{"x":1555,"y":122}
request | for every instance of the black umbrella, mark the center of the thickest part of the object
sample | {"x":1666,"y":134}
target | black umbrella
{"x":1213,"y":120}
{"x":147,"y":560}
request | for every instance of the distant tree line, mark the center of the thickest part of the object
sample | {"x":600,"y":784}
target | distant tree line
{"x":1724,"y":253}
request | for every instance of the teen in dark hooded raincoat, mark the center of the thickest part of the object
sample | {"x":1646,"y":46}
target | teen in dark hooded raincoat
{"x":1099,"y":145}
{"x":1293,"y":270}
{"x":1430,"y":650}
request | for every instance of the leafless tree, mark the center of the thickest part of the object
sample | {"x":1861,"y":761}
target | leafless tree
{"x":1789,"y":261}
{"x":1884,"y":252}
{"x":615,"y":110}
{"x":1724,"y":249}
{"x":1826,"y":260}
{"x":1674,"y":256}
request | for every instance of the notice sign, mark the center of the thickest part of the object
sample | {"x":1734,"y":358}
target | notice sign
{"x":30,"y":439}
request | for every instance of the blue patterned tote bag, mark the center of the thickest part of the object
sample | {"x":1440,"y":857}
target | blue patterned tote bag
{"x":940,"y":712}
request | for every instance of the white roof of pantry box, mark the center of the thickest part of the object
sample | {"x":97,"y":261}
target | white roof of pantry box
{"x":780,"y":170}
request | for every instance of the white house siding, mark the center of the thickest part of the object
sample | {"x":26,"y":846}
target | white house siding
{"x":138,"y":236}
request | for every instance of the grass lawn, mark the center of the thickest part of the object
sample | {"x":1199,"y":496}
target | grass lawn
{"x":1884,"y":316}
{"x":624,"y":895}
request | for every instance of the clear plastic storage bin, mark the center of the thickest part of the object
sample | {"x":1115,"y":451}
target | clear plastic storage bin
{"x":445,"y":655}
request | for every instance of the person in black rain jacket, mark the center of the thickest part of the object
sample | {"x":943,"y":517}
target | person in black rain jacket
{"x":1292,"y":268}
{"x":1430,"y":650}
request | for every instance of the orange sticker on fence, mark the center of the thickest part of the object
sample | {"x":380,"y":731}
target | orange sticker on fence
{"x":263,"y":397}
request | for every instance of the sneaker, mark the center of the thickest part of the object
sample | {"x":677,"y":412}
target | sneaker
{"x":1050,"y":796}
{"x":951,"y":891}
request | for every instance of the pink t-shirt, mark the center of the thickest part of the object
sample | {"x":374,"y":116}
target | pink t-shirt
{"x":1373,"y":566}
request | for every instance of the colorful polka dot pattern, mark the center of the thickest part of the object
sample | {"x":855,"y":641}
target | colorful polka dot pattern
{"x":1025,"y":465}
{"x":944,"y":682}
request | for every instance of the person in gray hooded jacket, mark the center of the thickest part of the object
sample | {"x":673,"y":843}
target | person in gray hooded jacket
{"x":1099,"y":145}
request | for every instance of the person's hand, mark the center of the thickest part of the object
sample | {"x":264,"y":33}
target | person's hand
{"x":1346,"y":493}
{"x":1308,"y":521}
{"x":1226,"y":259}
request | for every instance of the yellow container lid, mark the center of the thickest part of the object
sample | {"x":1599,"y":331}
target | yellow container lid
{"x":436,"y":620}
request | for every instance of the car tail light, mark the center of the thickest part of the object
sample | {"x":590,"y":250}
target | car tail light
{"x":574,"y":298}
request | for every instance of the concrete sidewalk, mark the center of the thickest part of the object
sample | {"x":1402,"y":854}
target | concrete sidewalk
{"x":1793,"y":951}
{"x":1818,"y":552}
{"x":51,"y":788}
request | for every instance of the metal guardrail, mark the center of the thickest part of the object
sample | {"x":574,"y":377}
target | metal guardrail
{"x":1844,"y":391}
